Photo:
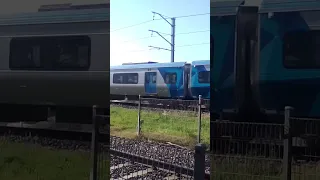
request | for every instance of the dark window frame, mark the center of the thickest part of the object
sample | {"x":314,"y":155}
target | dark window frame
{"x":169,"y":73}
{"x":306,"y":42}
{"x":204,"y":82}
{"x":126,"y":79}
{"x":50,"y":44}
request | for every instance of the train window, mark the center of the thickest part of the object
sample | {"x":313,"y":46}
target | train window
{"x":132,"y":78}
{"x":171,"y":78}
{"x":125,"y":78}
{"x":204,"y":77}
{"x":151,"y":77}
{"x":71,"y":53}
{"x":154,"y":79}
{"x":301,"y":50}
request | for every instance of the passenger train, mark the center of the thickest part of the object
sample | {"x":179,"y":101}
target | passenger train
{"x":264,"y":58}
{"x":54,"y":59}
{"x":177,"y":80}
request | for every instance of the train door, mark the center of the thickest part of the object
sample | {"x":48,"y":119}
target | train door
{"x":150,"y":83}
{"x":247,"y":22}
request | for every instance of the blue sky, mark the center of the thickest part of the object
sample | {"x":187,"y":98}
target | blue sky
{"x":131,"y":44}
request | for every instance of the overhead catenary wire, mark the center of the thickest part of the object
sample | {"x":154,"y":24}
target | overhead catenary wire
{"x":148,"y":37}
{"x":181,"y":46}
{"x":148,"y":21}
{"x":131,"y":26}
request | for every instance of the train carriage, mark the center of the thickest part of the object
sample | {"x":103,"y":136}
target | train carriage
{"x":223,"y":24}
{"x":56,"y":58}
{"x":160,"y":80}
{"x":199,"y":81}
{"x":274,"y":62}
{"x":288,"y":63}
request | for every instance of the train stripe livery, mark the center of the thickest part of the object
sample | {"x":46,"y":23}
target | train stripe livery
{"x":265,"y":58}
{"x":177,"y":80}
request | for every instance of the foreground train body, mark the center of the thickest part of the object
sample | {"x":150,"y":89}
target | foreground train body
{"x":54,"y":59}
{"x":265,"y":58}
{"x":176,"y":80}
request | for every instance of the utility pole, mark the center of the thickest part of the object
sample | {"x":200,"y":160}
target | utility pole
{"x":172,"y":43}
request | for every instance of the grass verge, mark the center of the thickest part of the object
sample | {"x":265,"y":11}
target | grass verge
{"x":164,"y":126}
{"x":32,"y":162}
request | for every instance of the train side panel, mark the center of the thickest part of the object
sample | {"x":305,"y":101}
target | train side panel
{"x":165,"y":81}
{"x":129,"y":89}
{"x":200,"y":79}
{"x":173,"y":81}
{"x":67,"y":88}
{"x":222,"y":27}
{"x":289,"y":70}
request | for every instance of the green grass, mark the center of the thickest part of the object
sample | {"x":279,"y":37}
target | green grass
{"x":31,"y":162}
{"x":164,"y":126}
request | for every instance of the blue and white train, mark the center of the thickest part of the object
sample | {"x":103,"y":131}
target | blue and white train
{"x":265,"y":57}
{"x":177,"y":80}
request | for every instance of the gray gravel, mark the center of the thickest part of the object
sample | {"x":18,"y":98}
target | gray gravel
{"x":162,"y":152}
{"x":148,"y":172}
{"x":127,"y":170}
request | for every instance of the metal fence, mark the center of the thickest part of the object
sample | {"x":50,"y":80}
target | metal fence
{"x":145,"y":160}
{"x":60,"y":150}
{"x":168,"y":110}
{"x":287,"y":151}
{"x":100,"y":147}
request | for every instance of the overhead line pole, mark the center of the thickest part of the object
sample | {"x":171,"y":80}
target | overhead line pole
{"x":172,"y":43}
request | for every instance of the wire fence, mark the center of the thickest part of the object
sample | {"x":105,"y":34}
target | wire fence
{"x":143,"y":159}
{"x":287,"y":151}
{"x":100,"y":147}
{"x":146,"y":160}
{"x":171,"y":112}
{"x":44,"y":150}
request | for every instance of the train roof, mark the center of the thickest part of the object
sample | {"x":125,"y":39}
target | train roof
{"x":288,"y":5}
{"x":148,"y":65}
{"x":72,"y":6}
{"x":62,"y":16}
{"x":224,"y":7}
{"x":200,"y":62}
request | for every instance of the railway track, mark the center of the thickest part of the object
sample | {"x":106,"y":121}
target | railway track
{"x":130,"y":159}
{"x":180,"y":105}
{"x":122,"y":168}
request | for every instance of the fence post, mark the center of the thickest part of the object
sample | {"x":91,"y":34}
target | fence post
{"x":199,"y":162}
{"x":287,"y":154}
{"x":199,"y":118}
{"x":94,"y":145}
{"x":139,"y":117}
